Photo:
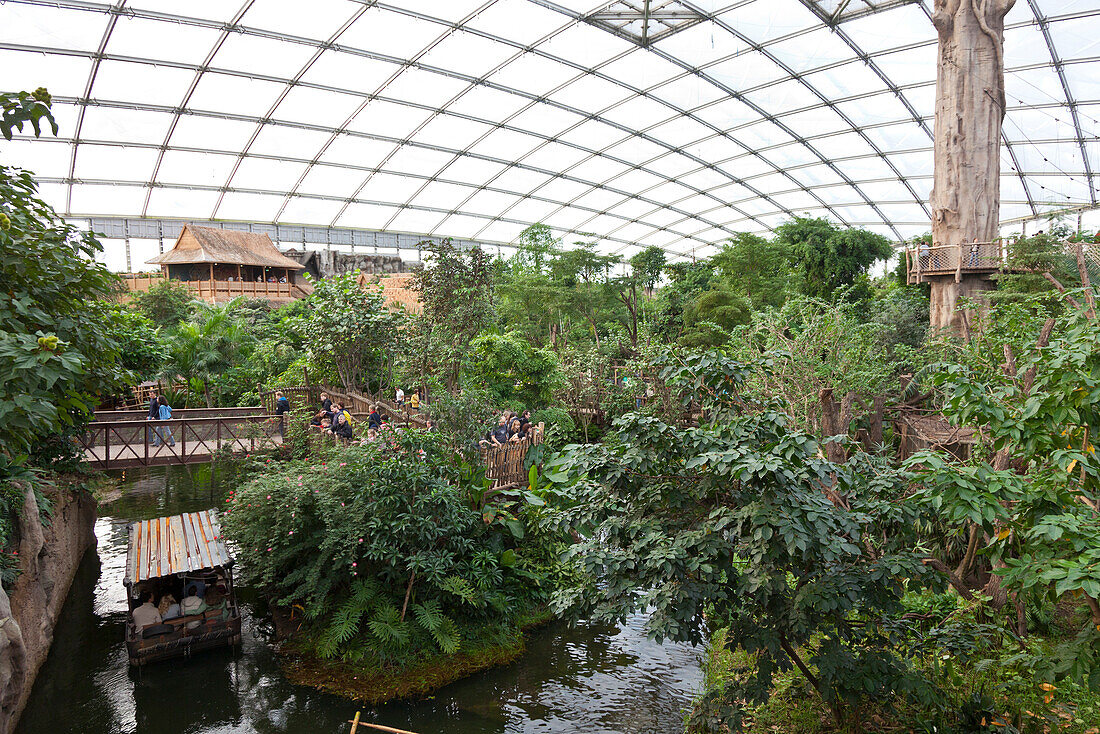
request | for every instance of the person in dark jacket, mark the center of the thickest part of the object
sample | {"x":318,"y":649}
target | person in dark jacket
{"x":282,"y":407}
{"x":374,"y":420}
{"x":154,"y":414}
{"x":343,"y":428}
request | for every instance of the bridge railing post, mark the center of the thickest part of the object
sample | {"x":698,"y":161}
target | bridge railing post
{"x":107,"y":446}
{"x":183,"y":443}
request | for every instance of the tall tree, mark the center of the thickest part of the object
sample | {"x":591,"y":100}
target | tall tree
{"x":756,"y":267}
{"x":970,"y":107}
{"x":351,"y":327}
{"x":827,"y":256}
{"x":456,"y":288}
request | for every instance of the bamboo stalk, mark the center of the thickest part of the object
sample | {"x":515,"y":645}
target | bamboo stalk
{"x":379,"y":727}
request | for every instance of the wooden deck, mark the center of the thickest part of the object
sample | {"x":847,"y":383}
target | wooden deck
{"x":923,"y":261}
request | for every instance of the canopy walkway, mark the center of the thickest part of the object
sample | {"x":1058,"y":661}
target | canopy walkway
{"x":924,"y":261}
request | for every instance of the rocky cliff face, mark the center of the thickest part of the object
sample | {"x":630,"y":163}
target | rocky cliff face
{"x":28,"y":611}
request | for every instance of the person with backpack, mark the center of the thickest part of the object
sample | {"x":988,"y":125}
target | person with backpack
{"x":282,"y":407}
{"x":164,"y":433}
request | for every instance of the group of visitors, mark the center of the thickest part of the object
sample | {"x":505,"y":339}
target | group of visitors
{"x":414,"y":400}
{"x":511,"y":428}
{"x":198,"y":595}
{"x":332,"y":417}
{"x":160,"y":410}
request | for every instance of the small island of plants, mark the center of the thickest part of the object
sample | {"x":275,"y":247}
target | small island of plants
{"x":395,"y":565}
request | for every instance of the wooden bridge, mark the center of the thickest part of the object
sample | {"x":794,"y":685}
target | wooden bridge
{"x":124,"y":439}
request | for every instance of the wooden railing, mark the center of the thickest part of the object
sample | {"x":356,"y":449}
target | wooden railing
{"x":504,"y":464}
{"x":120,"y":444}
{"x":221,"y":291}
{"x":923,"y":260}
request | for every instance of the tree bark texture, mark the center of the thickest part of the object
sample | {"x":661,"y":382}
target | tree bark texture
{"x":970,"y":107}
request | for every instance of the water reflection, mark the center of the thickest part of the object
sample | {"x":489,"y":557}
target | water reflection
{"x":591,"y":678}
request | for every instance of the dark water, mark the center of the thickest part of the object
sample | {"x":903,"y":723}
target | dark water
{"x":590,"y":679}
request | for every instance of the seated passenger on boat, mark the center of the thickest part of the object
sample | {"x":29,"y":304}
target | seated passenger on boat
{"x":146,"y":614}
{"x":169,"y":608}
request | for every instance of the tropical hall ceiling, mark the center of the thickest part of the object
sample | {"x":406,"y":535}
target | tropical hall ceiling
{"x":630,"y":123}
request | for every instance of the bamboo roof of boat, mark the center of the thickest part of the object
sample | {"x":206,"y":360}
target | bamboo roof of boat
{"x":176,"y":544}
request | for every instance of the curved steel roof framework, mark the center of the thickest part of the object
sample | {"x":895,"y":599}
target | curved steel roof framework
{"x":630,"y":123}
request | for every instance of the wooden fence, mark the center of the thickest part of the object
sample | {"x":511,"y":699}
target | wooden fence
{"x":505,"y":464}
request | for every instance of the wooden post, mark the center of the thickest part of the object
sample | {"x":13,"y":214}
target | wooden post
{"x":107,"y":446}
{"x":355,"y":722}
{"x":218,"y":431}
{"x":213,"y":293}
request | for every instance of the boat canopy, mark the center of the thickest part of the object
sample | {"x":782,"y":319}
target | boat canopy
{"x":169,"y":545}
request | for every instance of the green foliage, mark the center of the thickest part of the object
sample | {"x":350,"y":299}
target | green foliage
{"x":20,"y":107}
{"x":141,"y":349}
{"x":59,"y":341}
{"x":902,"y":313}
{"x":710,"y":317}
{"x":350,"y":327}
{"x":808,"y":346}
{"x":1034,"y":501}
{"x":730,"y":524}
{"x":201,"y":349}
{"x":386,"y":549}
{"x":456,"y":290}
{"x":512,"y":369}
{"x":828,"y":257}
{"x":648,"y":265}
{"x":166,"y":303}
{"x":757,"y":268}
{"x":463,"y":417}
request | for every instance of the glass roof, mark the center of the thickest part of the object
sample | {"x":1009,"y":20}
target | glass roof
{"x":630,"y":123}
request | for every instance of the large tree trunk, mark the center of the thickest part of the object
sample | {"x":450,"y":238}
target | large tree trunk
{"x":970,"y":106}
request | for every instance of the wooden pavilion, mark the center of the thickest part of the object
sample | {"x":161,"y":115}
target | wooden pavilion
{"x":218,"y":265}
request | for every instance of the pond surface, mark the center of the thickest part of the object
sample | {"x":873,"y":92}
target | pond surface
{"x":590,"y":678}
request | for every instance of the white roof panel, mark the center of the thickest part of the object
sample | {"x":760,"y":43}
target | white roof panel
{"x":757,"y":102}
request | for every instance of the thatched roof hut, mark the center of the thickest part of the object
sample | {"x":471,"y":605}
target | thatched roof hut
{"x":220,"y":264}
{"x":225,"y":247}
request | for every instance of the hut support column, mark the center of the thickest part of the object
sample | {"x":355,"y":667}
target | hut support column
{"x":970,"y":108}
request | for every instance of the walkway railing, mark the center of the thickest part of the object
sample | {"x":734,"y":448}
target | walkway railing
{"x":923,"y":260}
{"x":121,"y":444}
{"x":505,"y":464}
{"x":223,"y":291}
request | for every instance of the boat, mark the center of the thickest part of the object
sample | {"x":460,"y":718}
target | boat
{"x":183,"y":564}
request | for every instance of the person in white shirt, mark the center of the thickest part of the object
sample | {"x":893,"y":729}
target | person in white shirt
{"x":146,"y":614}
{"x":400,"y":400}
